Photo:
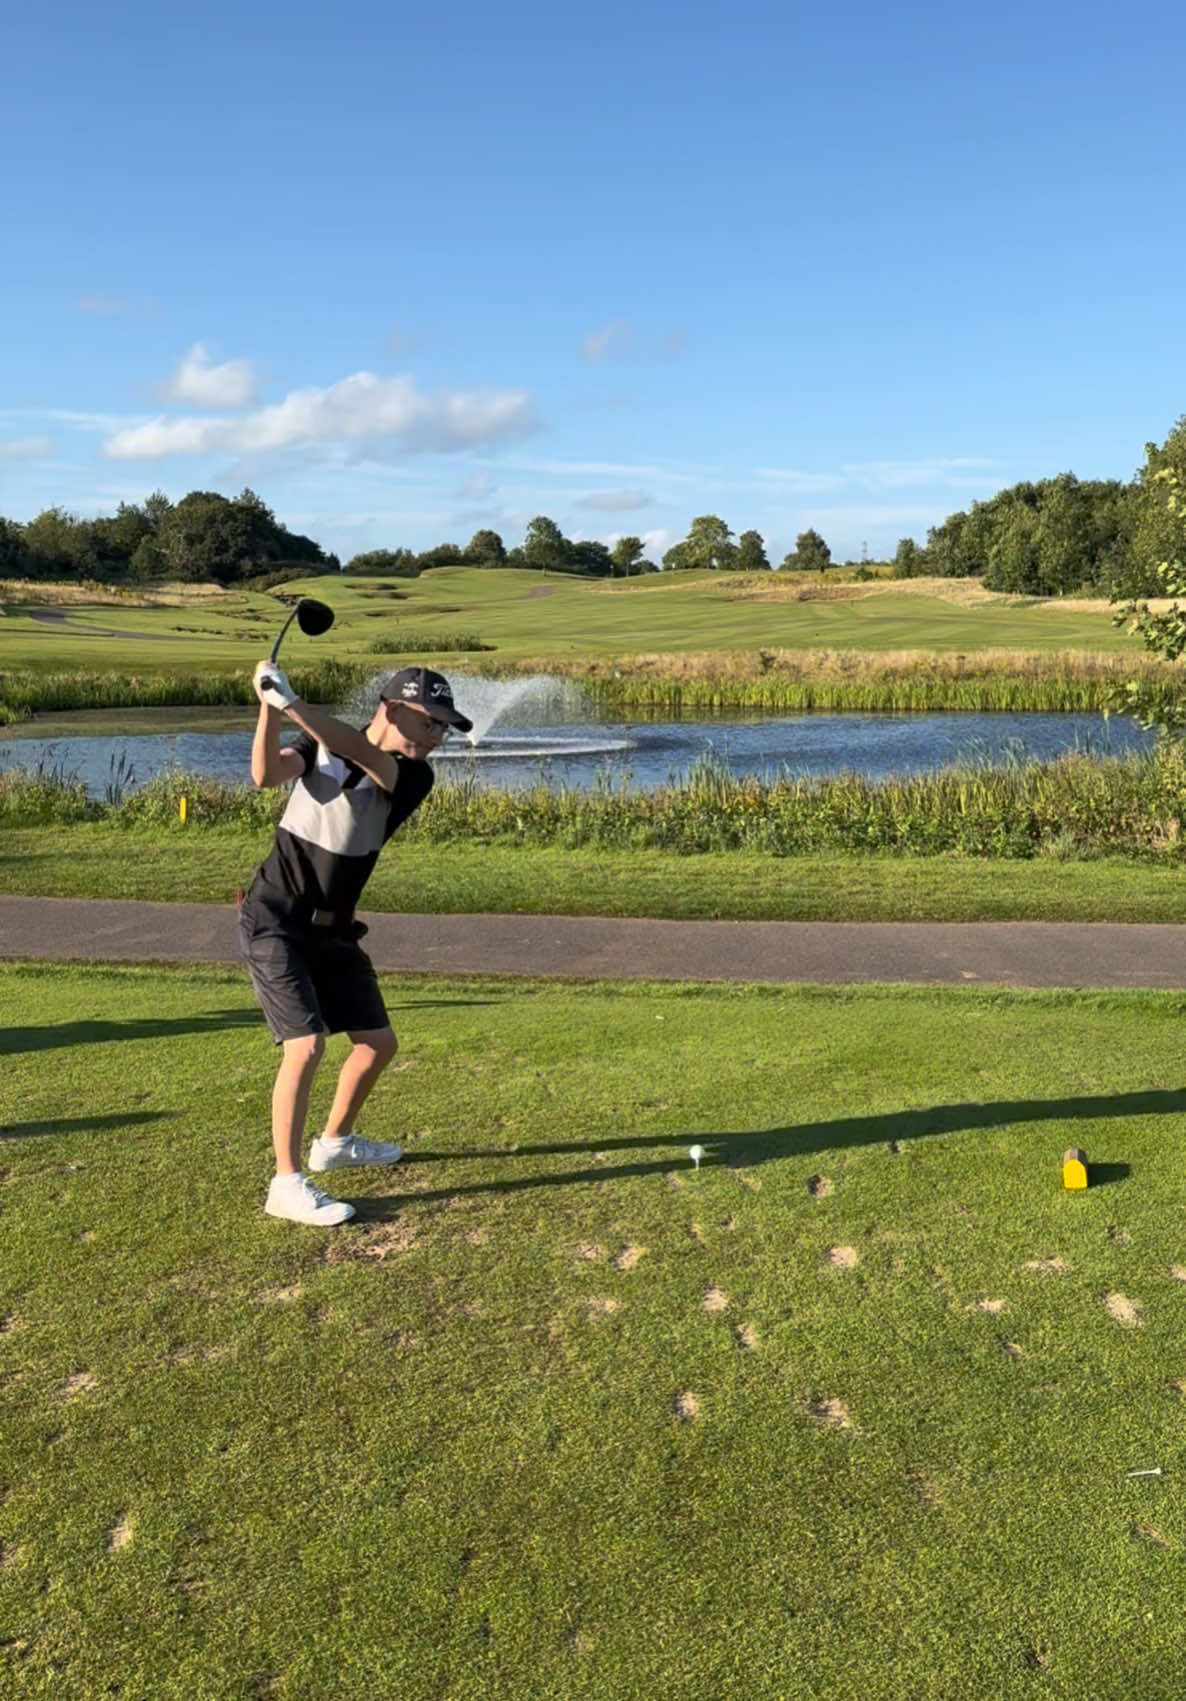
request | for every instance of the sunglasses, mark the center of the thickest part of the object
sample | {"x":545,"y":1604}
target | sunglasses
{"x":424,"y":722}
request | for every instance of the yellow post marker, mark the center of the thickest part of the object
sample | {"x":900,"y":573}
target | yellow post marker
{"x":1074,"y":1168}
{"x":182,"y":809}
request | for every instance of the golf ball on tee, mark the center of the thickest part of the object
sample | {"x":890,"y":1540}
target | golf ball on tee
{"x":696,"y":1153}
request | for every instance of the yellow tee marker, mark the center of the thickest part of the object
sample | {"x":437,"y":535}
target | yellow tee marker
{"x":1074,"y":1168}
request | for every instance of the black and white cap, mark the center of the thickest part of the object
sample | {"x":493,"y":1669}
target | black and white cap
{"x":429,"y":690}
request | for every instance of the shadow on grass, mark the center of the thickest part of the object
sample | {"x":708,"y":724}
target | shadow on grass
{"x":50,"y":1038}
{"x":747,"y":1148}
{"x":80,"y":1124}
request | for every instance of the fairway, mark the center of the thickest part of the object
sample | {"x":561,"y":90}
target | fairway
{"x":536,"y":617}
{"x":849,"y":1412}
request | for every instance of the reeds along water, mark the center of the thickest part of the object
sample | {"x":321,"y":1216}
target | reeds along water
{"x":795,"y":680}
{"x":1079,"y":806}
{"x":24,"y":693}
{"x":849,"y":680}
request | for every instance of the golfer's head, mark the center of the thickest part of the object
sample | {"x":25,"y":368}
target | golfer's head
{"x":420,"y":711}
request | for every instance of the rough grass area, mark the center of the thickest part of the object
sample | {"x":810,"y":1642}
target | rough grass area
{"x":95,"y":860}
{"x":1076,"y":806}
{"x":849,"y":1411}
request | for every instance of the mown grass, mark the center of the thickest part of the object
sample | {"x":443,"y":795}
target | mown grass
{"x":98,"y":860}
{"x":550,"y":617}
{"x":848,"y":1412}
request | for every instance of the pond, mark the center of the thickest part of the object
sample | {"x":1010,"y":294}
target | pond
{"x":528,"y":731}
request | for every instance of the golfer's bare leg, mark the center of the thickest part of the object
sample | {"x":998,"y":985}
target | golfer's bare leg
{"x":290,"y":1098}
{"x":371,"y":1051}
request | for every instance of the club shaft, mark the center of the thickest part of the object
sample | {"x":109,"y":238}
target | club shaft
{"x":276,"y":646}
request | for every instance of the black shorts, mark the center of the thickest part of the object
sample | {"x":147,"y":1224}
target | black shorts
{"x":309,"y":980}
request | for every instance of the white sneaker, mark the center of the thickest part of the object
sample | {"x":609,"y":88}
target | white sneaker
{"x":296,"y":1197}
{"x":351,"y":1152}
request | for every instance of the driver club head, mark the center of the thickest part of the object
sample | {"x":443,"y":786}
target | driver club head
{"x":311,"y":616}
{"x":314,"y":617}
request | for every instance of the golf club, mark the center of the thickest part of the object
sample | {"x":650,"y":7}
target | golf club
{"x":311,"y":616}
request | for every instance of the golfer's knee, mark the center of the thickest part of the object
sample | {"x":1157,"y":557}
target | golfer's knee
{"x":304,"y":1052}
{"x":377,"y":1049}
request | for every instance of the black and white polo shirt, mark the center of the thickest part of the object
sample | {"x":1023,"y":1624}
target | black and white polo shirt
{"x":337,"y":821}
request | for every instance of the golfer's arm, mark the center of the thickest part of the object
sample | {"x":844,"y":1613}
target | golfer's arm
{"x":271,"y":766}
{"x":346,"y":741}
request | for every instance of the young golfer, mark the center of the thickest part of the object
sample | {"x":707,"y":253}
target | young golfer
{"x":297,"y":931}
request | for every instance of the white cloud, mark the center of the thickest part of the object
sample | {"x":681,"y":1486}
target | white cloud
{"x":197,"y":380}
{"x":104,"y":304}
{"x":798,"y":483}
{"x":851,"y":520}
{"x":480,"y":484}
{"x":896,"y":475}
{"x":614,"y":501}
{"x":610,"y":339}
{"x":26,"y":448}
{"x":673,"y":344}
{"x":602,"y":469}
{"x":356,"y":408}
{"x":655,"y":543}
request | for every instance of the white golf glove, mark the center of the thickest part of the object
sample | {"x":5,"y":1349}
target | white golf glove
{"x":272,"y":687}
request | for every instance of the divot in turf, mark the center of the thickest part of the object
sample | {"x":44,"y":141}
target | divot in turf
{"x":120,"y":1536}
{"x":1124,"y":1311}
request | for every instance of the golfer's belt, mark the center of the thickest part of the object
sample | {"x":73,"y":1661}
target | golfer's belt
{"x":331,"y":918}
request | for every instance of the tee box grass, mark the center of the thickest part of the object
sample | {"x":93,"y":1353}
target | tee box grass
{"x":848,"y":1411}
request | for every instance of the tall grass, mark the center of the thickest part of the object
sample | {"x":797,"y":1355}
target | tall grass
{"x":1078,"y":806}
{"x":25,"y":693}
{"x":426,"y":643}
{"x":904,"y":680}
{"x":768,"y":679}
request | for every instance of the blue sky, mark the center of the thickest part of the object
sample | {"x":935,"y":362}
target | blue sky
{"x":408,"y":271}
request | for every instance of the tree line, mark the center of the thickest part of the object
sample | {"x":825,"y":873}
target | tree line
{"x":1044,"y":538}
{"x":202,"y":537}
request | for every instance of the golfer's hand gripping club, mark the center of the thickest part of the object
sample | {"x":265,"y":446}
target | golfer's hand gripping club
{"x":272,"y":687}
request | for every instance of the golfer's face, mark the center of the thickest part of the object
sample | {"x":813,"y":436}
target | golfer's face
{"x":417,"y":733}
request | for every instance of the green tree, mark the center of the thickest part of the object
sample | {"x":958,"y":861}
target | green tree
{"x":441,"y":555}
{"x":810,"y":554}
{"x":402,"y":563}
{"x":587,"y":556}
{"x":910,"y":562}
{"x":751,"y":554}
{"x":676,"y":559}
{"x":1163,"y":632}
{"x":486,"y":549}
{"x":709,"y":543}
{"x":117,"y":540}
{"x":626,"y":555}
{"x":12,"y":549}
{"x":147,"y":562}
{"x":545,"y":547}
{"x":156,"y":507}
{"x":59,"y":546}
{"x":1155,"y":537}
{"x":208,"y":537}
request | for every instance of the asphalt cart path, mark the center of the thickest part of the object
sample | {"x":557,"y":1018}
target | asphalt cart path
{"x":1006,"y":953}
